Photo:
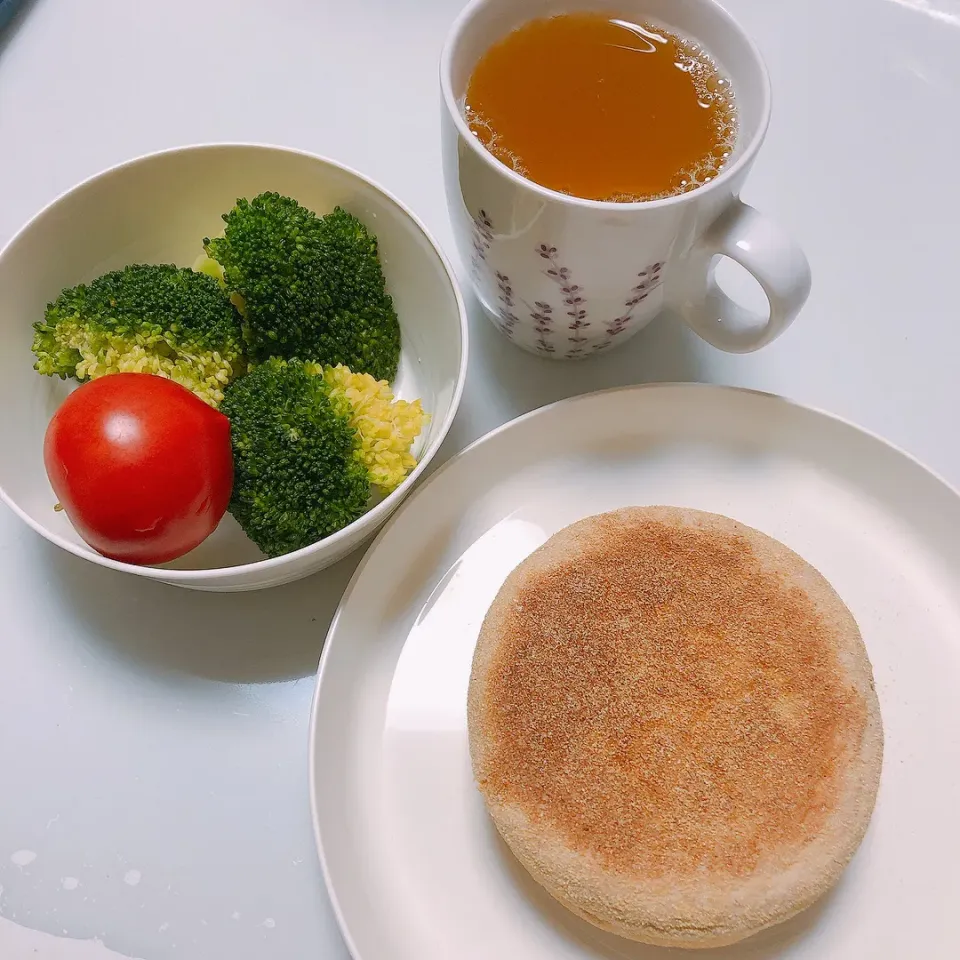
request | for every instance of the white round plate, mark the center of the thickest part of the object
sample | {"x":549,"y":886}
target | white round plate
{"x":414,"y":867}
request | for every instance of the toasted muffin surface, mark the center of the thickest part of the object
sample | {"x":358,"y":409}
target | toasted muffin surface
{"x":674,"y":725}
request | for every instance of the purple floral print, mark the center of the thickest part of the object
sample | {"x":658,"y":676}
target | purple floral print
{"x":560,"y":329}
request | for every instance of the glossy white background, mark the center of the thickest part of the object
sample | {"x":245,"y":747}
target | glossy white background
{"x":153,"y":735}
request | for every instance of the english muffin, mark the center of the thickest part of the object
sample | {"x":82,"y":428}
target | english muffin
{"x":674,"y":726}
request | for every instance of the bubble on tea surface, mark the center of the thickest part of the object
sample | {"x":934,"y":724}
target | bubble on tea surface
{"x":483,"y":130}
{"x":713,"y":91}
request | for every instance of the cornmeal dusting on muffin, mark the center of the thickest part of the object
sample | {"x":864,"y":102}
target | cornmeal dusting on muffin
{"x":671,"y":687}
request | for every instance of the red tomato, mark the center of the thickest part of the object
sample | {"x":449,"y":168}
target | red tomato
{"x":143,"y":467}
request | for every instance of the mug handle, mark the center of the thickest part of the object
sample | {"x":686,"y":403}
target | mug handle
{"x":764,"y":250}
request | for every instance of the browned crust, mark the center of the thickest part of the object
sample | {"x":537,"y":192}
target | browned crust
{"x":594,"y":786}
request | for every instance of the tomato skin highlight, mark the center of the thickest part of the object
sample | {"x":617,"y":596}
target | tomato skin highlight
{"x":142,"y":467}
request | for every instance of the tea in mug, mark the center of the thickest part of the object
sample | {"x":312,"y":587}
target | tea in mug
{"x":603,"y":108}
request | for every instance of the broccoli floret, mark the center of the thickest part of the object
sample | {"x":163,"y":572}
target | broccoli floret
{"x":311,"y":445}
{"x":296,"y":478}
{"x":144,"y":318}
{"x":311,"y":287}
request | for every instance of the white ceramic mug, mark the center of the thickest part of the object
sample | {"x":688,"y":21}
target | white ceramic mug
{"x":567,"y":277}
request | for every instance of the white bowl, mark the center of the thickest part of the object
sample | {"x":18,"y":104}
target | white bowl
{"x":158,"y":209}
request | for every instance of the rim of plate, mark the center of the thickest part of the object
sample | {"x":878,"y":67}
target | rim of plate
{"x":372,"y":516}
{"x":762,"y":395}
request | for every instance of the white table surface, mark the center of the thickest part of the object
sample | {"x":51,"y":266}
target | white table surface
{"x":153,"y":742}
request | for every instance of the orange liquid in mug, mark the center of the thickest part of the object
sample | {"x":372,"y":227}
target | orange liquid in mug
{"x":602,"y":108}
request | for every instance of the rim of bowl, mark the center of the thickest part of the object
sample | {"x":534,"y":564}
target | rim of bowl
{"x":373,"y":516}
{"x":749,"y":151}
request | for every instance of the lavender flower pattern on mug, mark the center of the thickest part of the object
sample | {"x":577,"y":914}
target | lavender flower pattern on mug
{"x":649,"y":279}
{"x":482,"y":237}
{"x":562,"y":329}
{"x":543,"y":326}
{"x":573,"y":300}
{"x":508,"y":318}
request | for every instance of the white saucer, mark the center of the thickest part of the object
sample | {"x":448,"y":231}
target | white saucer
{"x":414,"y":867}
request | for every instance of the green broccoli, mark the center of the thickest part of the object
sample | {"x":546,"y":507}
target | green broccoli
{"x":311,"y":446}
{"x":296,"y":479}
{"x":310,"y":287}
{"x":144,"y":318}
